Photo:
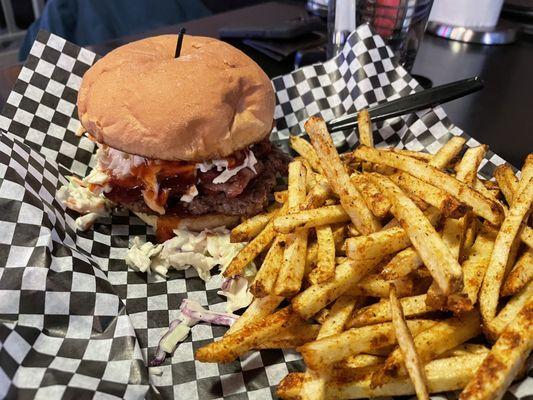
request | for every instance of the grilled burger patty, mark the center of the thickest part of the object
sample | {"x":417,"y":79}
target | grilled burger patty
{"x":244,"y":194}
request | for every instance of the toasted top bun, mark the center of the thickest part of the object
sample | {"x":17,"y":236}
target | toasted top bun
{"x":208,"y":103}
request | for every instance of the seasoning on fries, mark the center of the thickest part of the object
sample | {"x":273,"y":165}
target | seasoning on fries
{"x":382,"y":266}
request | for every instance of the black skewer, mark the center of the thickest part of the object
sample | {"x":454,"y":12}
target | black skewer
{"x":181,"y":33}
{"x":414,"y":102}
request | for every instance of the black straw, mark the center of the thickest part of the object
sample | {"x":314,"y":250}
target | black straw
{"x":180,"y":42}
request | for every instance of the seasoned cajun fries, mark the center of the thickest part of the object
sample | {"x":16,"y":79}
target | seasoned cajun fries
{"x":291,"y":273}
{"x":412,"y":361}
{"x":338,"y":178}
{"x":391,"y":271}
{"x":481,"y":206}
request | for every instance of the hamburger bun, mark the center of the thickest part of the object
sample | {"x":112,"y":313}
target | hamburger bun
{"x":206,"y":104}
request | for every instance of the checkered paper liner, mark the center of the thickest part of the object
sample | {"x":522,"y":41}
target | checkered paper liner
{"x":74,"y":320}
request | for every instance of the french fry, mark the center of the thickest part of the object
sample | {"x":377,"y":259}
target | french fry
{"x":527,"y":236}
{"x":381,"y":349}
{"x":470,"y":236}
{"x":297,"y":185}
{"x":338,"y":316}
{"x":436,"y":299}
{"x":520,"y":275}
{"x":360,"y":361}
{"x":311,"y":257}
{"x":444,"y":268}
{"x":291,"y":273}
{"x":310,"y":218}
{"x":489,"y":194}
{"x":466,"y":349}
{"x":391,"y":239}
{"x":321,"y":316}
{"x":414,"y":366}
{"x":338,"y":237}
{"x":318,"y":195}
{"x":490,"y":185}
{"x":485,"y":208}
{"x":251,"y":227}
{"x":453,"y":235}
{"x":445,"y":374}
{"x":413,"y":306}
{"x":352,"y":231}
{"x":325,"y":267}
{"x":426,"y":157}
{"x":505,"y":359}
{"x":430,"y":343}
{"x":454,"y":230}
{"x":315,"y":380}
{"x":374,"y":286}
{"x":305,"y":149}
{"x":447,"y":153}
{"x":291,"y":337}
{"x":377,"y":244}
{"x":338,"y":178}
{"x":257,"y":310}
{"x":248,"y":337}
{"x":475,"y":265}
{"x":316,"y":297}
{"x":507,"y":181}
{"x":322,"y":353}
{"x":266,"y":276}
{"x":437,"y":197}
{"x":374,"y":199}
{"x":364,"y":128}
{"x":490,"y":289}
{"x":290,"y":387}
{"x":403,"y":263}
{"x":247,"y":254}
{"x":466,"y":169}
{"x":340,"y":260}
{"x":509,"y":312}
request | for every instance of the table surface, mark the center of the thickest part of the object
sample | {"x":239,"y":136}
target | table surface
{"x":498,"y":115}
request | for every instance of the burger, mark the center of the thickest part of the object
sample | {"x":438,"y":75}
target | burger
{"x":182,"y":142}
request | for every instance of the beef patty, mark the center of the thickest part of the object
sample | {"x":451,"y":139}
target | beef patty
{"x":252,"y":198}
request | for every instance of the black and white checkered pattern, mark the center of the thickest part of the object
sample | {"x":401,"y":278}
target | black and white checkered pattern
{"x":75,"y":320}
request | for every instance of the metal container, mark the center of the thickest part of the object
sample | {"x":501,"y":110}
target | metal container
{"x":400,"y":22}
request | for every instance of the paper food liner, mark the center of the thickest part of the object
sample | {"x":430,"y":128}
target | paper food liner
{"x":75,"y":321}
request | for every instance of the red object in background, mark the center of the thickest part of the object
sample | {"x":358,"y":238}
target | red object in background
{"x":386,"y":14}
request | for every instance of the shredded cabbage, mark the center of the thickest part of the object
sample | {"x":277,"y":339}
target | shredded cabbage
{"x":76,"y":196}
{"x":119,"y":163}
{"x":201,"y":251}
{"x":236,"y":292}
{"x":222,"y":166}
{"x":139,"y":255}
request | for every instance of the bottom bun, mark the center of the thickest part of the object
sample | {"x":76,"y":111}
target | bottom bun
{"x":165,"y":224}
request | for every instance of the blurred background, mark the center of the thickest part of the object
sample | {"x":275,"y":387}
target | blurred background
{"x":87,"y":22}
{"x":92,"y":22}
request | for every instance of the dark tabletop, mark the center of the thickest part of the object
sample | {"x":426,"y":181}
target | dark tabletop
{"x":500,"y":115}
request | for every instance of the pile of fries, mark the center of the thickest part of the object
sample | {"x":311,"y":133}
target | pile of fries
{"x":392,"y":272}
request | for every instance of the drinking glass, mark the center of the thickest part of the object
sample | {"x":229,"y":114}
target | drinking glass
{"x":401,"y":23}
